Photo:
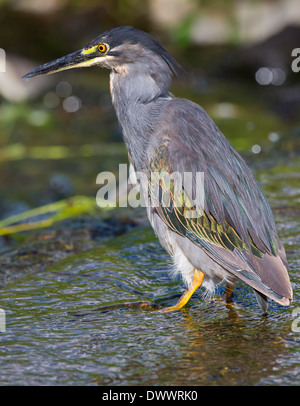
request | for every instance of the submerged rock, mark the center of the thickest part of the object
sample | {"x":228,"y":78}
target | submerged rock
{"x":52,"y":244}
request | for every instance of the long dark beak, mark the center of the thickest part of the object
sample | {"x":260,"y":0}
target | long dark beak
{"x":78,"y":59}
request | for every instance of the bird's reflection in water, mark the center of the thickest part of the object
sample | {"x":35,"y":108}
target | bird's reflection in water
{"x":230,"y":350}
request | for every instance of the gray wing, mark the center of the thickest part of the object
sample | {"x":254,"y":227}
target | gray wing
{"x":237,"y":227}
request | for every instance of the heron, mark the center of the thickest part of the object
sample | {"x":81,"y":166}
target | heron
{"x":231,"y":236}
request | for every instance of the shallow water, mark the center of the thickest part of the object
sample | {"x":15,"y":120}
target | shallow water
{"x":68,"y":325}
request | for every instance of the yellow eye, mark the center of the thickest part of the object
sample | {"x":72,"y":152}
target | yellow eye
{"x":102,"y":48}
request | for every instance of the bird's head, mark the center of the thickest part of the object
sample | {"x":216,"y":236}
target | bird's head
{"x":114,"y":49}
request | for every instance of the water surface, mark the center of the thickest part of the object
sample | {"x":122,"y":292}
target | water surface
{"x":67,"y":326}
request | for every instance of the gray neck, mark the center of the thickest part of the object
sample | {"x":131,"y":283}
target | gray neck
{"x":138,"y":98}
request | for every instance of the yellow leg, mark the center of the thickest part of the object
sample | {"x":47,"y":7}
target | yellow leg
{"x":228,"y":292}
{"x":227,"y":297}
{"x":197,"y":281}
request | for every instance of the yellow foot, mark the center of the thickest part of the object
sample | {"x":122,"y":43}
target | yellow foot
{"x":197,"y":281}
{"x":223,"y":301}
{"x":226,"y":299}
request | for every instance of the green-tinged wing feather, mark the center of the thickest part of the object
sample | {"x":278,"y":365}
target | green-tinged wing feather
{"x":175,"y":204}
{"x":234,"y":226}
